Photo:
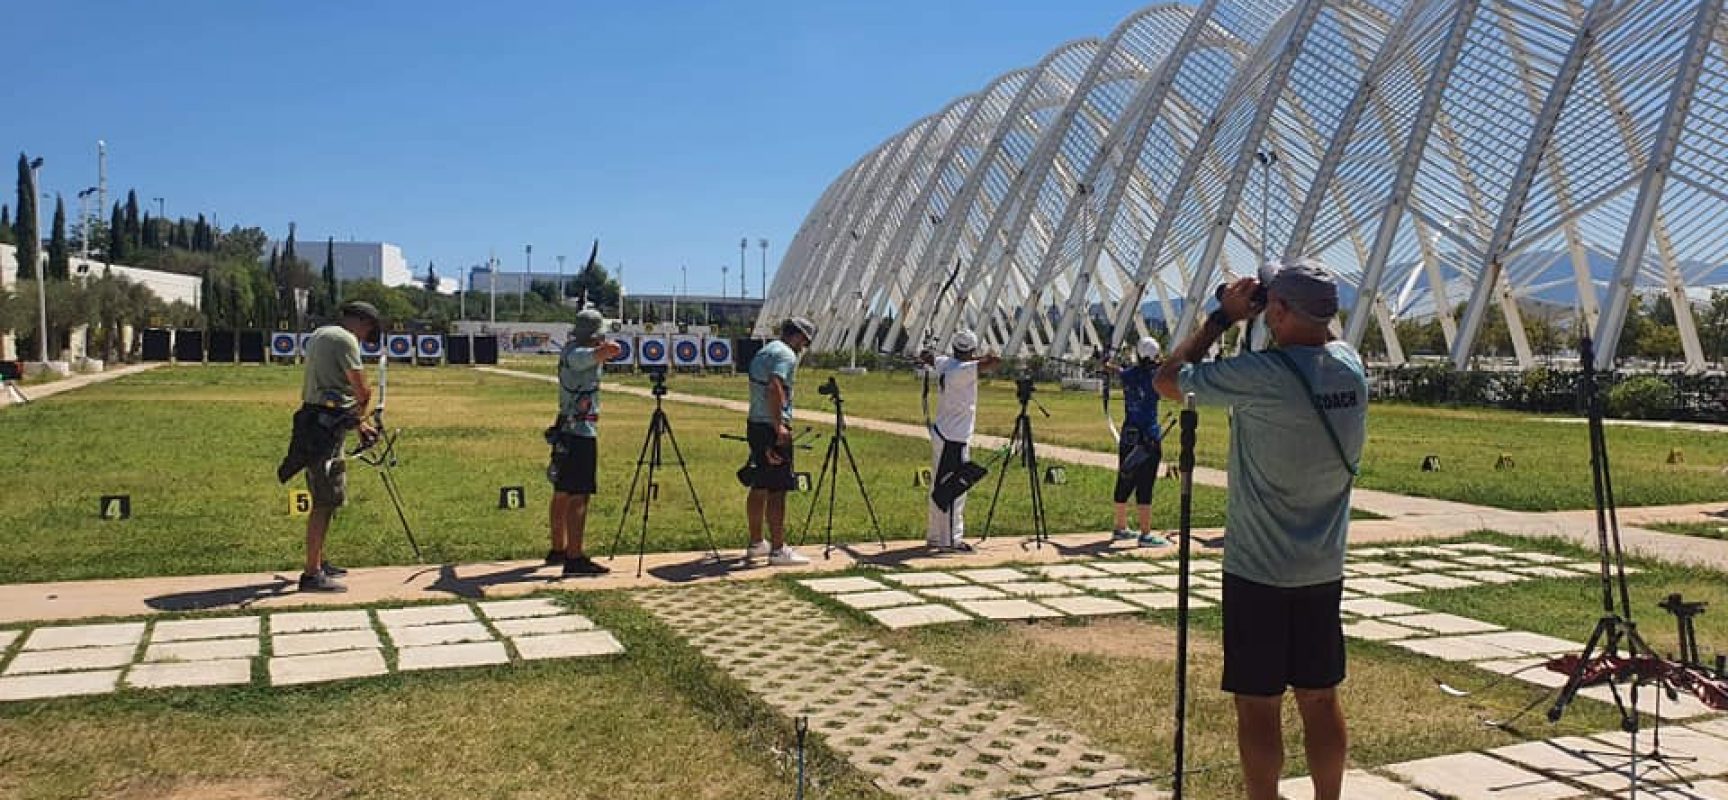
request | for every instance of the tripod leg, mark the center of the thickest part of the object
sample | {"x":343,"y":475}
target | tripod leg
{"x":832,"y":468}
{"x":996,"y":495}
{"x":816,"y":496}
{"x":654,"y":430}
{"x":1039,"y":532}
{"x":691,"y":485}
{"x":864,"y":493}
{"x":395,"y":495}
{"x":630,"y":496}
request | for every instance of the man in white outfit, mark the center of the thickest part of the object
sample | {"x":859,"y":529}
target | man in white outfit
{"x":951,"y":432}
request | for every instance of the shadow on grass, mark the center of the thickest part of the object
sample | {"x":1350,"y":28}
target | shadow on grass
{"x":231,"y":597}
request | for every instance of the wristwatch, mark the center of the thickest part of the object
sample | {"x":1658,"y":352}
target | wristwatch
{"x":1219,"y":318}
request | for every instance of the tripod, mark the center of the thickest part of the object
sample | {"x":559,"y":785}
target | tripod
{"x":651,"y":457}
{"x":1022,"y":436}
{"x":1184,"y":545}
{"x":830,"y":475}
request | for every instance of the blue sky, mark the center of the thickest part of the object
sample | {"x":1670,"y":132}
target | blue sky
{"x":668,"y":130}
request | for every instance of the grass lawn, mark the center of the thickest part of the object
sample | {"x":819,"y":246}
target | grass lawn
{"x":655,"y":722}
{"x":197,"y":448}
{"x":1552,"y":459}
{"x":1703,"y":530}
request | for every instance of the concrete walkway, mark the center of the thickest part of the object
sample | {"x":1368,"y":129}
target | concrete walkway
{"x":42,"y":391}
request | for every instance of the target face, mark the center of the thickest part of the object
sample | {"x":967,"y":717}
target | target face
{"x":284,"y":345}
{"x":687,"y":352}
{"x":626,"y":350}
{"x":370,"y":349}
{"x":430,"y":346}
{"x":653,"y":352}
{"x":400,"y":346}
{"x":719,"y":352}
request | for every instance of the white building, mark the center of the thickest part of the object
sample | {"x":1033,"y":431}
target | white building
{"x":356,"y":261}
{"x":169,"y":286}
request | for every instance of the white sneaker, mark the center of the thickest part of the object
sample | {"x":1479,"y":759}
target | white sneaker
{"x":757,"y":550}
{"x":786,"y":557}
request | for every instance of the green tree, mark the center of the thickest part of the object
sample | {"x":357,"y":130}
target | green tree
{"x":1661,"y":342}
{"x":431,"y":278}
{"x":332,"y":287}
{"x":24,"y":230}
{"x":117,"y":250}
{"x":134,"y":233}
{"x":59,"y":253}
{"x":391,"y":302}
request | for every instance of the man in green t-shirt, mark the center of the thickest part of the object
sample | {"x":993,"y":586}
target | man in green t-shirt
{"x":333,"y":400}
{"x":575,"y":442}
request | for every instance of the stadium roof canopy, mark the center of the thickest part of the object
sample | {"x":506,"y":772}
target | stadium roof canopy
{"x":1454,"y":158}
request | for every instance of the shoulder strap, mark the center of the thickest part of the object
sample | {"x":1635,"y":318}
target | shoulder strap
{"x":1354,"y":469}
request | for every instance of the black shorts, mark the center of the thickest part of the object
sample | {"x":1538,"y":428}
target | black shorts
{"x":772,"y":477}
{"x":573,"y":464}
{"x":1138,"y":481}
{"x":1276,"y":638}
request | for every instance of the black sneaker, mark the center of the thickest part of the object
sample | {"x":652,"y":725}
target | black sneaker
{"x":320,"y":582}
{"x":332,"y":570}
{"x":554,"y":557}
{"x":583,"y":565}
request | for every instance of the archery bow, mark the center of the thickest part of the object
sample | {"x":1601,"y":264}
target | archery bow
{"x":929,"y":345}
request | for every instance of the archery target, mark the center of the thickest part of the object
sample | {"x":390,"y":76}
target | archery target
{"x":401,"y":345}
{"x":303,"y":337}
{"x":626,"y":349}
{"x":686,"y":351}
{"x":718,"y":352}
{"x":651,"y":351}
{"x":284,"y":345}
{"x":370,"y":349}
{"x":430,"y":348}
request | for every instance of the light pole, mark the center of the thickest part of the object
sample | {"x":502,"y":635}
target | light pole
{"x":41,"y":290}
{"x":561,"y":281}
{"x":723,"y":270}
{"x":763,"y":243}
{"x":743,"y":290}
{"x":522,"y":295}
{"x":492,"y":277}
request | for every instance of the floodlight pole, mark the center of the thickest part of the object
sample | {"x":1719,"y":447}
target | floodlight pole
{"x":36,"y":248}
{"x":763,"y":243}
{"x":522,"y":293}
{"x":743,"y":288}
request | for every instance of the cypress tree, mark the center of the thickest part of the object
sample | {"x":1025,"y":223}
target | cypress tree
{"x":201,"y":236}
{"x":147,"y":233}
{"x":24,"y":230}
{"x":59,"y":253}
{"x":134,"y":233}
{"x":5,"y":224}
{"x":288,"y":256}
{"x":117,"y":235}
{"x":332,"y":288}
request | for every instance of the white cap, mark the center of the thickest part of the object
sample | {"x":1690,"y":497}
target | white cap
{"x":965,"y":341}
{"x":1148,"y":348}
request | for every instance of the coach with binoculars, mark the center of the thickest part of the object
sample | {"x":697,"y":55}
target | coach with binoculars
{"x":1298,"y":423}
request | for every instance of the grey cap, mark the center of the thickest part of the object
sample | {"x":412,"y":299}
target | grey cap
{"x":362,"y":310}
{"x":1304,"y":285}
{"x":587,"y":326}
{"x":799,"y":325}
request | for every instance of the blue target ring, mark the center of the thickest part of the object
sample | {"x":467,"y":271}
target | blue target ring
{"x":400,"y":346}
{"x":687,"y":351}
{"x":626,"y":350}
{"x":719,"y":351}
{"x":653,"y":350}
{"x":284,"y":344}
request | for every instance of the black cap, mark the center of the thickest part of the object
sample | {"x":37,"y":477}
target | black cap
{"x":362,"y":310}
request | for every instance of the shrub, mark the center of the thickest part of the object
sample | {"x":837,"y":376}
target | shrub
{"x":1643,"y":397}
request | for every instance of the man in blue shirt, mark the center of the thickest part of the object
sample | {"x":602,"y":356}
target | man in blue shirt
{"x":1298,"y":423}
{"x":769,"y":429}
{"x":1139,"y":447}
{"x":575,"y":442}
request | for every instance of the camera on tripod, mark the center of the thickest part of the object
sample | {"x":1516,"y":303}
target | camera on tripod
{"x":658,"y":376}
{"x":829,"y":389}
{"x":1259,"y":298}
{"x":1023,"y":388}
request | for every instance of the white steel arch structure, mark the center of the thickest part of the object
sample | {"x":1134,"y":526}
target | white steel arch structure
{"x":1464,"y":160}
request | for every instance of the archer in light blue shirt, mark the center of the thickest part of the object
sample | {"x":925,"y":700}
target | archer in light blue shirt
{"x":775,"y":359}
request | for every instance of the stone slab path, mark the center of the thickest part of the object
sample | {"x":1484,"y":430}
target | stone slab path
{"x":43,"y":391}
{"x":289,"y":648}
{"x":916,"y":729}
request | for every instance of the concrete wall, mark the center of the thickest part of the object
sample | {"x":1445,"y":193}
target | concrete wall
{"x":169,"y":286}
{"x":357,"y":261}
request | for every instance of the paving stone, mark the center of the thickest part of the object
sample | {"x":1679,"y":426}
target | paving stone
{"x":1575,"y":758}
{"x":536,"y":626}
{"x":882,"y":599}
{"x":1162,"y":600}
{"x":1479,"y":547}
{"x":1435,"y":565}
{"x":1378,"y":587}
{"x":1067,"y":571}
{"x":1358,"y":785}
{"x":425,"y":615}
{"x":1693,"y":753}
{"x":919,"y":579}
{"x":305,"y":621}
{"x":1375,"y":607}
{"x":1444,"y":623}
{"x":1008,"y":609}
{"x":1545,"y":572}
{"x":1210,"y":593}
{"x":1473,"y":776}
{"x":1372,"y":569}
{"x":181,"y":630}
{"x":963,"y":593}
{"x":66,"y":684}
{"x":1429,"y":581}
{"x":429,"y":635}
{"x":69,"y":636}
{"x":520,"y":609}
{"x":992,"y":575}
{"x":1529,"y":670}
{"x":7,"y":638}
{"x":299,"y":644}
{"x":449,"y":656}
{"x":1582,"y":567}
{"x":1538,"y":558}
{"x":1038,"y":589}
{"x":322,"y":667}
{"x":1108,"y":584}
{"x":1699,"y":790}
{"x":1126,"y":567}
{"x":1715,"y":727}
{"x":1487,"y":561}
{"x":1161,"y":581}
{"x":841,"y":585}
{"x":1378,"y":631}
{"x":568,"y":645}
{"x":1526,"y":643}
{"x":1083,"y":606}
{"x":1492,"y":576}
{"x":915,"y":616}
{"x":1454,"y":648}
{"x":82,"y":658}
{"x":229,"y":672}
{"x":203,"y":650}
{"x":1366,"y":552}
